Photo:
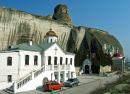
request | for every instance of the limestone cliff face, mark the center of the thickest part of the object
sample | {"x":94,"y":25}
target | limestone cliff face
{"x":17,"y":27}
{"x":86,"y":42}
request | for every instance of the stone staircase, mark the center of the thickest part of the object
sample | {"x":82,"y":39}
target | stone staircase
{"x":17,"y":85}
{"x":8,"y":91}
{"x":35,"y":78}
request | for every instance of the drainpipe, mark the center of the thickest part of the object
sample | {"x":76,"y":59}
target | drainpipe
{"x":19,"y":63}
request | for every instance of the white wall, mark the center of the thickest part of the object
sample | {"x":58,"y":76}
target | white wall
{"x":25,"y":69}
{"x":35,"y":83}
{"x":4,"y":85}
{"x":51,"y":52}
{"x":50,"y":39}
{"x":8,"y":70}
{"x":59,"y":53}
{"x":18,"y":68}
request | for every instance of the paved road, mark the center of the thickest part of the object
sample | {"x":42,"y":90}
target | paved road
{"x":86,"y":85}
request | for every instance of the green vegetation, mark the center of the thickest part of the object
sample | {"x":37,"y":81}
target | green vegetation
{"x":121,"y":86}
{"x":91,"y":39}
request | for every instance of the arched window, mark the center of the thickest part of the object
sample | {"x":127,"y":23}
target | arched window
{"x":26,"y":59}
{"x":9,"y":61}
{"x":51,"y":40}
{"x":9,"y":78}
{"x":66,"y":61}
{"x":71,"y":61}
{"x":49,"y":60}
{"x":55,"y":60}
{"x":35,"y":60}
{"x":61,"y":59}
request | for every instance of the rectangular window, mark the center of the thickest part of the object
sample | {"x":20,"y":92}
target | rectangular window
{"x":56,"y":76}
{"x":9,"y":78}
{"x":26,"y":59}
{"x":66,"y":61}
{"x":61,"y":59}
{"x":9,"y":61}
{"x":67,"y":75}
{"x":55,"y":60}
{"x":35,"y":60}
{"x":49,"y":60}
{"x":61,"y":76}
{"x":71,"y":61}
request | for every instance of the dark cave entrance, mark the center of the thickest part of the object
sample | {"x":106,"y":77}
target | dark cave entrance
{"x":95,"y":69}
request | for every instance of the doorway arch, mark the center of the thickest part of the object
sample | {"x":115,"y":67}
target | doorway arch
{"x":87,"y":69}
{"x":45,"y":80}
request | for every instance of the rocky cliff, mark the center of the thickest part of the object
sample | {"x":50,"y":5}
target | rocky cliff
{"x":18,"y":26}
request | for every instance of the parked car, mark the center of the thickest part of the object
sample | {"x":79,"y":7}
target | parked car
{"x":52,"y":85}
{"x":71,"y":82}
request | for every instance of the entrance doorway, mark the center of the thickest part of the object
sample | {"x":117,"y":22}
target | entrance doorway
{"x":45,"y":80}
{"x":61,"y":78}
{"x":56,"y":76}
{"x":86,"y":69}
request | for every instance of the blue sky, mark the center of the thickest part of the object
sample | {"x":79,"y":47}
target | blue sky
{"x":112,"y":16}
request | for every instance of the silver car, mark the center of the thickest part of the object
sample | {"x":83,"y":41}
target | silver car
{"x":71,"y":82}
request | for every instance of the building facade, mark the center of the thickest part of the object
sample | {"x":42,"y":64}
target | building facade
{"x":26,"y":66}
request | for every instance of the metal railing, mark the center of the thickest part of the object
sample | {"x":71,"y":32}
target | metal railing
{"x":29,"y":77}
{"x":56,"y":67}
{"x":34,"y":74}
{"x":24,"y":81}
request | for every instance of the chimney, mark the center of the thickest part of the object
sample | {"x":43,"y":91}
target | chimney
{"x":30,"y":40}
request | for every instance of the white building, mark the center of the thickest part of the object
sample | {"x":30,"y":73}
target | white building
{"x":27,"y":66}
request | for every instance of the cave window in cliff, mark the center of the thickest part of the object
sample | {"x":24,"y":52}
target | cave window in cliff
{"x":95,"y":69}
{"x":94,"y":46}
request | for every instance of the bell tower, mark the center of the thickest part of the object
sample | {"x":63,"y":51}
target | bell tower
{"x":51,"y":36}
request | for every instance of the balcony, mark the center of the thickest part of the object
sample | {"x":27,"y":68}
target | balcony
{"x":58,"y":67}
